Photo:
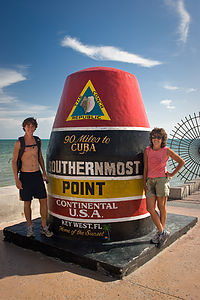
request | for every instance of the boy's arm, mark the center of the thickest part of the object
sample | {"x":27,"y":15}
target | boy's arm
{"x":14,"y":164}
{"x":41,"y":162}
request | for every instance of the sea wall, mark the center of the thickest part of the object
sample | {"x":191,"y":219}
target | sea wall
{"x":184,"y":190}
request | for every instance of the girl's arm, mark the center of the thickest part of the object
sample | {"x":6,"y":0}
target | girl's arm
{"x":178,"y":159}
{"x":145,"y":169}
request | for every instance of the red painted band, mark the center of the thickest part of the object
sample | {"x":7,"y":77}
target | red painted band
{"x":85,"y":210}
{"x":119,"y":92}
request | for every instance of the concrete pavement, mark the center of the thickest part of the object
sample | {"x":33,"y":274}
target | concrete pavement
{"x":172,"y":274}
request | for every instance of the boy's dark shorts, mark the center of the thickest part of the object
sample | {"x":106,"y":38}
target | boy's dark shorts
{"x":33,"y":186}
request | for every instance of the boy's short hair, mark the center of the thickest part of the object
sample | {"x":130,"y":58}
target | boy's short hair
{"x":162,"y":133}
{"x":29,"y":120}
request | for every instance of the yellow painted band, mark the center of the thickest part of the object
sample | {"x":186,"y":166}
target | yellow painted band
{"x":95,"y":189}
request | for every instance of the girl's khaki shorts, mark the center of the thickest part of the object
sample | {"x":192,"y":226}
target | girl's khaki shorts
{"x":158,"y":186}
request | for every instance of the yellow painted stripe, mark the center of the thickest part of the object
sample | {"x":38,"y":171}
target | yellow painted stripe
{"x":95,"y":189}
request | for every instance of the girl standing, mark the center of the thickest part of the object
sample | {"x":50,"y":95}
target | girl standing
{"x":156,"y":180}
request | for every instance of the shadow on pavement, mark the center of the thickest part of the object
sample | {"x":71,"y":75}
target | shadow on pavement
{"x":17,"y":261}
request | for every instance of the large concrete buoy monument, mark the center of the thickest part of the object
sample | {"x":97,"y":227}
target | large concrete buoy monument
{"x":95,"y":158}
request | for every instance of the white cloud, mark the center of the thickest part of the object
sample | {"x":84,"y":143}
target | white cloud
{"x":8,"y":77}
{"x":7,"y":99}
{"x":10,"y":123}
{"x":47,"y":120}
{"x":167,"y":103}
{"x":12,"y":127}
{"x":170,"y":87}
{"x":107,"y":53}
{"x":11,"y":118}
{"x":191,"y":90}
{"x":185,"y":19}
{"x":21,"y":109}
{"x":13,"y":111}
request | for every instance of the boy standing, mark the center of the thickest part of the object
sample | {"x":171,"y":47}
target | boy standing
{"x":31,"y":181}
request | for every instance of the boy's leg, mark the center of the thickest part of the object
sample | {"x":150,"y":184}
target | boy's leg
{"x":43,"y":211}
{"x":151,"y":203}
{"x":27,"y":212}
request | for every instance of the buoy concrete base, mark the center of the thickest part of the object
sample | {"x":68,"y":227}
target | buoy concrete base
{"x":117,"y":259}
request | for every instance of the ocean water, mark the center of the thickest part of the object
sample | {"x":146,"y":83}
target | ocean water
{"x":6,"y":152}
{"x":6,"y":174}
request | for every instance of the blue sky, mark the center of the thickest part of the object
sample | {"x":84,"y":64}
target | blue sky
{"x":44,"y":41}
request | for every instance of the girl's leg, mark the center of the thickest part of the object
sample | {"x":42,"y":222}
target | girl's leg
{"x":163,"y":210}
{"x":151,"y":204}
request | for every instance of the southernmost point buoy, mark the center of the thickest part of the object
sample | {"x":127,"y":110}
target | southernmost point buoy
{"x":95,"y":158}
